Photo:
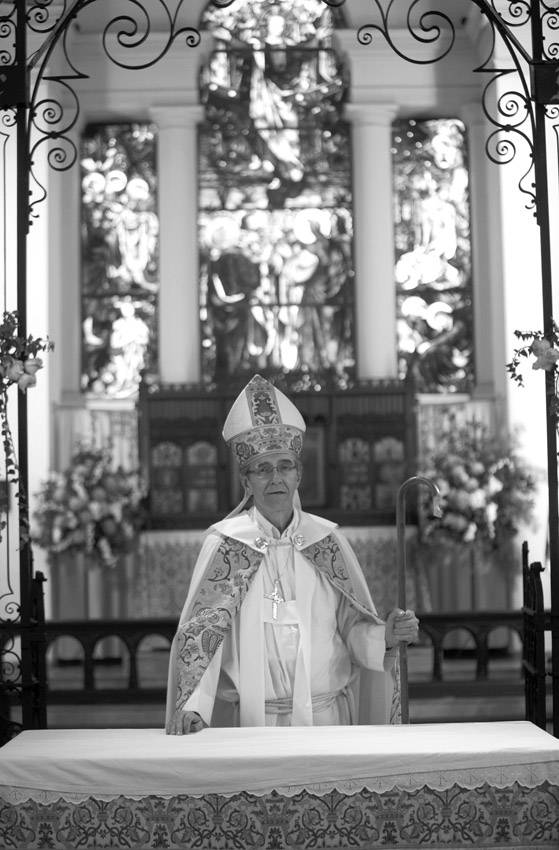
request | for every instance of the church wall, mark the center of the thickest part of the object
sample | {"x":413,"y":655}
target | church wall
{"x":505,"y":239}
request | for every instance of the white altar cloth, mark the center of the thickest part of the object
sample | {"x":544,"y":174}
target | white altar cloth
{"x":45,"y":765}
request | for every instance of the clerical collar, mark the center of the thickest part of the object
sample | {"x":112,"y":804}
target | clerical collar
{"x":269,"y":529}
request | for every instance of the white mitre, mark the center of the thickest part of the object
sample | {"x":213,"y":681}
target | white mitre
{"x":263,"y":420}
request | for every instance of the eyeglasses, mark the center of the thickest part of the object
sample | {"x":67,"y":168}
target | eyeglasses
{"x":266,"y":470}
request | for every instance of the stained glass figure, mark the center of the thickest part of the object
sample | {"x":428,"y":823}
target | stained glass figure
{"x":120,"y":258}
{"x":433,"y":254}
{"x":276,"y":228}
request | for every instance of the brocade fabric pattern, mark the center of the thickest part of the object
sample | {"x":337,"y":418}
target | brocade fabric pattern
{"x":268,"y":438}
{"x":262,"y":402}
{"x":485,"y":817}
{"x":327,"y":557}
{"x":220,"y":595}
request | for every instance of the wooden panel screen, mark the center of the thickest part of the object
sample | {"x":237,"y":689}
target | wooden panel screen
{"x":360,"y":446}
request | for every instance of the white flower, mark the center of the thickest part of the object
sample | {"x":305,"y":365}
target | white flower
{"x":470,"y":533}
{"x":460,"y":500}
{"x":455,"y":521}
{"x":95,"y":510}
{"x":26,"y":381}
{"x":478,"y":499}
{"x":32,"y":365}
{"x":493,"y":485}
{"x":116,"y":511}
{"x":491,"y":512}
{"x":459,"y":474}
{"x":546,"y":356}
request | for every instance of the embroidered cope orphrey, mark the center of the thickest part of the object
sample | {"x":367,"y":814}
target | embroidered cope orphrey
{"x":222,"y":592}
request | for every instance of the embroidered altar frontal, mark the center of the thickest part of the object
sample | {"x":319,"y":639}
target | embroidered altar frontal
{"x":487,"y":785}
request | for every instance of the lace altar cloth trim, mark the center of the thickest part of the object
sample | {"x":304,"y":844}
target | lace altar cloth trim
{"x":105,"y":764}
{"x":486,"y":817}
{"x":528,"y":775}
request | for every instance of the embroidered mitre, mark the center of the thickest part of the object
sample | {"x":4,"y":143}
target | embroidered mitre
{"x":262,"y":420}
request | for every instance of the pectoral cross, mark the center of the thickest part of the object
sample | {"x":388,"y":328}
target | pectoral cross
{"x":276,"y":597}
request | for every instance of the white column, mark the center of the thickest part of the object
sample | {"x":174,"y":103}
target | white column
{"x":179,"y":323}
{"x":374,"y":239}
{"x":485,"y":232}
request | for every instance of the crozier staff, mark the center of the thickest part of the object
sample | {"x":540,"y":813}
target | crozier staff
{"x":279,"y":628}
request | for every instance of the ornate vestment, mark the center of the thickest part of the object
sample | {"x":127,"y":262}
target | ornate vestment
{"x":224,"y":605}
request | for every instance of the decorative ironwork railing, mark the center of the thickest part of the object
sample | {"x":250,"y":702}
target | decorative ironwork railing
{"x":23,"y":666}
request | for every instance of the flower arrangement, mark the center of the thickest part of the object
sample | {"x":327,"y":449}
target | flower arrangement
{"x":90,"y":508}
{"x":19,"y":365}
{"x":486,"y":488}
{"x":546,"y":355}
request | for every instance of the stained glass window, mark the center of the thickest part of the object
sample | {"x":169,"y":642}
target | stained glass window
{"x":433,"y":254}
{"x":276,"y":228}
{"x":120,"y":251}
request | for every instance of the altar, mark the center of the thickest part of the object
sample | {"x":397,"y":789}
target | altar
{"x":455,"y":785}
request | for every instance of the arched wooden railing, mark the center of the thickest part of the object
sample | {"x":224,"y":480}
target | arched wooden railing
{"x":89,"y":685}
{"x":435,"y":631}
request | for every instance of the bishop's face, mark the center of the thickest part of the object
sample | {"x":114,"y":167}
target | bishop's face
{"x":272,"y":481}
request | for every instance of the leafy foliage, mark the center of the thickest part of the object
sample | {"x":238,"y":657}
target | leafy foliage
{"x":545,"y":352}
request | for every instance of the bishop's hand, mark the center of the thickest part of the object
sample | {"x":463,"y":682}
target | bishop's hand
{"x":401,"y":627}
{"x":184,"y":723}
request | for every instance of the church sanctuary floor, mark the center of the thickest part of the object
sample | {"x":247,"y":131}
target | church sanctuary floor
{"x":458,"y":699}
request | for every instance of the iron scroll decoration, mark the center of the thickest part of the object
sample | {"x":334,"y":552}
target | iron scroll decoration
{"x":516,"y":117}
{"x":51,"y":118}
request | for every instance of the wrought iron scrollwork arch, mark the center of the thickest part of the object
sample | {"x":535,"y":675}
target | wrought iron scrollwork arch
{"x":52,"y":118}
{"x":510,"y":113}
